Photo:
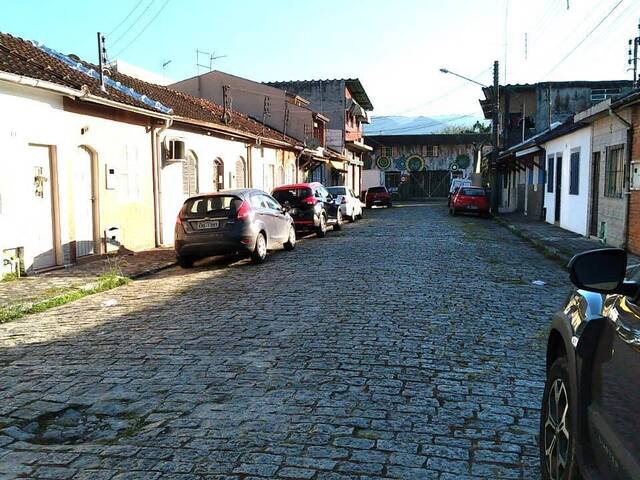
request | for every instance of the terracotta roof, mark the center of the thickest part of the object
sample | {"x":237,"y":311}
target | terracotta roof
{"x":22,"y":57}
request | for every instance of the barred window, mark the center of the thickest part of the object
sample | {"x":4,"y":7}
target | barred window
{"x":614,"y":172}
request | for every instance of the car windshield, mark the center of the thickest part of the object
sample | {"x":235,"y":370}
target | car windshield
{"x":337,"y":190}
{"x":291,"y":195}
{"x":377,"y":190}
{"x":473,"y":192}
{"x":212,"y":205}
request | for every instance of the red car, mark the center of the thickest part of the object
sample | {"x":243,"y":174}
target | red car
{"x":470,"y":199}
{"x":377,"y":196}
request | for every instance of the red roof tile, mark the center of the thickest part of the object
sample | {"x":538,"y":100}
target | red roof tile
{"x":21,"y":57}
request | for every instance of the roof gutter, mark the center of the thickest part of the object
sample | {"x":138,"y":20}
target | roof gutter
{"x":35,"y":83}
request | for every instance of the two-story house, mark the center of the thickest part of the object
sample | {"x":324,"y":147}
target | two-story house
{"x":346,"y":103}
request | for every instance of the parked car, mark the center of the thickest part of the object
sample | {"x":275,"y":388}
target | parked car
{"x":470,"y":199}
{"x":311,"y":206}
{"x":350,"y":204}
{"x":232,"y":221}
{"x":378,"y":196}
{"x":456,"y":184}
{"x":590,"y":414}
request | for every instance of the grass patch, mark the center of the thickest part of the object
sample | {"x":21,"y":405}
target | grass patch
{"x":10,"y":277}
{"x":104,"y":282}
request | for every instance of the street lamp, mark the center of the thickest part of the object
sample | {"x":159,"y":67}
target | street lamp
{"x":444,"y":70}
{"x":494,"y":130}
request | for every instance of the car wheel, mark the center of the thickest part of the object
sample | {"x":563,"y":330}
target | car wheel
{"x":556,"y":441}
{"x":260,"y":250}
{"x":321,"y":230}
{"x":368,"y":205}
{"x":290,"y":244}
{"x":185,"y":262}
{"x":338,"y":225}
{"x":353,"y":217}
{"x":389,"y":205}
{"x":361,"y":216}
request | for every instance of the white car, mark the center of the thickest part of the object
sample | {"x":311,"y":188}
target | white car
{"x":350,"y":204}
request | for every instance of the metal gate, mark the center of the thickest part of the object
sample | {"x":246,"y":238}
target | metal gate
{"x":428,"y":184}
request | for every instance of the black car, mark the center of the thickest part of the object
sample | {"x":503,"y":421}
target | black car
{"x":232,"y":221}
{"x":311,"y":206}
{"x":590,"y":419}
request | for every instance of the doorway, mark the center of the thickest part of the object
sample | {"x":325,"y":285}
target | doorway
{"x":595,"y":193}
{"x":558,"y":187}
{"x":85,"y":199}
{"x":43,"y":245}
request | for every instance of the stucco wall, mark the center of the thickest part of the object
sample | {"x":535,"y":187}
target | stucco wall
{"x":608,"y":132}
{"x":38,"y":117}
{"x":574,"y":209}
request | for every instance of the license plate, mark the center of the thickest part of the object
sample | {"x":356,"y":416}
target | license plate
{"x":472,"y":207}
{"x":207,"y":225}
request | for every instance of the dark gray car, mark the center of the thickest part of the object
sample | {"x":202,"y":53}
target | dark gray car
{"x":591,"y":404}
{"x":246,"y":221}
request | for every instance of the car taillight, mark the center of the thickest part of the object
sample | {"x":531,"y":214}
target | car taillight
{"x":244,"y":212}
{"x":310,"y":201}
{"x":178,"y":220}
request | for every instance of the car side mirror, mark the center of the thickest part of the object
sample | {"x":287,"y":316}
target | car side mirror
{"x":602,"y":271}
{"x":286,"y":206}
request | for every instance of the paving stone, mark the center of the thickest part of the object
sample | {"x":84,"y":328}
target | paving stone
{"x":436,"y":371}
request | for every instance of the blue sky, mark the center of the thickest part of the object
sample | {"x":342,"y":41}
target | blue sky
{"x":395,"y":48}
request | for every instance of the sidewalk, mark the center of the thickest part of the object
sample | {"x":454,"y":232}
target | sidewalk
{"x":38,"y":288}
{"x":553,"y":241}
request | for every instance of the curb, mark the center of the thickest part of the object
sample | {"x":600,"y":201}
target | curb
{"x":152,"y":271}
{"x":548,"y":251}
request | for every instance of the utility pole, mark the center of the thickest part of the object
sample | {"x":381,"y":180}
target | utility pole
{"x":102,"y":60}
{"x":494,"y":139}
{"x":633,"y":57}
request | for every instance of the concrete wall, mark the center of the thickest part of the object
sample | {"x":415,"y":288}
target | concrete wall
{"x":248,"y":98}
{"x":37,"y":117}
{"x":608,"y":132}
{"x":574,"y":209}
{"x":328,"y":98}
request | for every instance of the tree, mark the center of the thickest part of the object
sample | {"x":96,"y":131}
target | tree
{"x":478,"y":127}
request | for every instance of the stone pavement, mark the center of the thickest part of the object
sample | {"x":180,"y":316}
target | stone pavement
{"x":45,"y":285}
{"x":409,"y":345}
{"x":555,"y":241}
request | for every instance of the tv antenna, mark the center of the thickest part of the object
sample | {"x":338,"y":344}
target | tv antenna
{"x":208,"y":59}
{"x":166,"y":64}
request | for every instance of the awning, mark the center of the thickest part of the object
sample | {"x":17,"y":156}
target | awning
{"x":527,"y":151}
{"x":357,"y":146}
{"x":339,"y":166}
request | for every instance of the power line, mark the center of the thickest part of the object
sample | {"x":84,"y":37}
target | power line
{"x":585,"y":38}
{"x":111,"y":44}
{"x":144,"y":28}
{"x":125,"y":18}
{"x":425,"y":125}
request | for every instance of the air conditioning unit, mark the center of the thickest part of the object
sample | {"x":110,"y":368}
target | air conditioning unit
{"x":175,"y":150}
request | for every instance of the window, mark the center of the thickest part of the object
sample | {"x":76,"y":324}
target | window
{"x":530,"y":176}
{"x":213,"y":205}
{"x":574,"y":172}
{"x":292,"y":195}
{"x":541,"y":175}
{"x":218,"y":175}
{"x":430,"y":150}
{"x":190,"y":174}
{"x":270,"y":202}
{"x":550,"y":174}
{"x":240,"y":173}
{"x":600,"y":94}
{"x":473,"y":192}
{"x":613,"y":172}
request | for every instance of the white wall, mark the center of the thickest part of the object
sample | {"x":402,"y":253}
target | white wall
{"x":33,"y":116}
{"x":574,"y":209}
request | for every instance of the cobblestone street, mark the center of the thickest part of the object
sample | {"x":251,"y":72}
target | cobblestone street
{"x":409,"y":345}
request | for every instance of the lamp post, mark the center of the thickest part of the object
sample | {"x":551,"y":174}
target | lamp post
{"x":494,"y":129}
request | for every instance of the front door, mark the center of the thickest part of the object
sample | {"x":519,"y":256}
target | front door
{"x":614,"y":413}
{"x":41,"y":246}
{"x":83,"y":203}
{"x":558,"y":187}
{"x":595,"y":193}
